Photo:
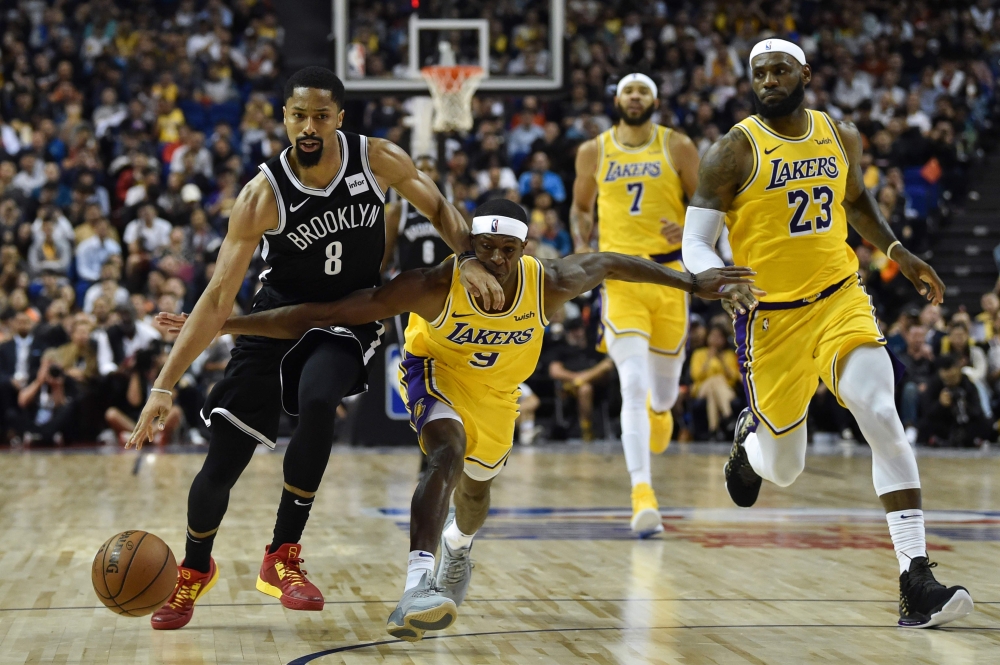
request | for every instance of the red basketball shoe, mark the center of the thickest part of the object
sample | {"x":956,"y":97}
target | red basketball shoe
{"x":191,"y":585}
{"x":281,"y":577}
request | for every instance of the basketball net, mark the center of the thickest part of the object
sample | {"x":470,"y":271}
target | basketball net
{"x":452,"y":88}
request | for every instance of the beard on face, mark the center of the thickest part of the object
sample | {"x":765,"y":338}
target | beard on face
{"x":637,"y":121}
{"x":781,"y":107}
{"x":308,"y":159}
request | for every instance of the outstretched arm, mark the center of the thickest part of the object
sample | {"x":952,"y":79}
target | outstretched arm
{"x":394,"y":168}
{"x":865,"y":216}
{"x":567,"y":278}
{"x":420,"y":291}
{"x":254,"y":213}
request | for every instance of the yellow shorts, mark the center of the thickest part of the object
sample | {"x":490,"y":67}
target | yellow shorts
{"x":783,"y":348}
{"x":658,"y":313}
{"x":487,"y":415}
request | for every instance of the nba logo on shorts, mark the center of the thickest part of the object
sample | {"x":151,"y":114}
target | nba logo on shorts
{"x":495,"y":226}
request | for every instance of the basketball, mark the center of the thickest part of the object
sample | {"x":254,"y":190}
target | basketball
{"x":134,"y":573}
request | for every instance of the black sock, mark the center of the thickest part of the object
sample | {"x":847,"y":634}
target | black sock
{"x":198,"y":552}
{"x":293,"y":513}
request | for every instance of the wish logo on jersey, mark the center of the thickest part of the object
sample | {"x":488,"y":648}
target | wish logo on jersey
{"x":618,"y":171}
{"x":783,"y":172}
{"x":466,"y":334}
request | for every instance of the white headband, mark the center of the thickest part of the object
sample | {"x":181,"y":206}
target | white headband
{"x":637,"y":78}
{"x":777,"y":46}
{"x":501,"y":225}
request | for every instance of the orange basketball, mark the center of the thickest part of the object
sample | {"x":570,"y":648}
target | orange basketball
{"x":134,"y":573}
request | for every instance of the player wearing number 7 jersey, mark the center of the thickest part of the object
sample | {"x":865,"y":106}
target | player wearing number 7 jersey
{"x":460,"y":375}
{"x":787,"y":182}
{"x":640,"y":174}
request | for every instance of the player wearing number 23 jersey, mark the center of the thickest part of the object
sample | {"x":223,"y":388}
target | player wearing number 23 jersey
{"x":788,"y":222}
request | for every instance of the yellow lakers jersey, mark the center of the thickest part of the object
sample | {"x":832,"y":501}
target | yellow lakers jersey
{"x":788,"y":221}
{"x":636,"y":188}
{"x":498,"y":350}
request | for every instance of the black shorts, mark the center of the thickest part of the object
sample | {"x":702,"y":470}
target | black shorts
{"x":262,"y":377}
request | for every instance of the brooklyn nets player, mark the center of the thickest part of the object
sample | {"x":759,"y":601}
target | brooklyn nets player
{"x":316,"y":211}
{"x":409,"y":235}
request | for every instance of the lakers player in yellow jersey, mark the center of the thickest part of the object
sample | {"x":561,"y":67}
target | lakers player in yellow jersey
{"x":787,"y":182}
{"x":640,"y":174}
{"x":460,"y":376}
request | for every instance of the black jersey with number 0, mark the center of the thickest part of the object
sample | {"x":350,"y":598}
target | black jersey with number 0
{"x":419,"y":244}
{"x":329,"y":242}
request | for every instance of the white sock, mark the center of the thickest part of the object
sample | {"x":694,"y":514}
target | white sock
{"x":906,"y":528}
{"x":455,"y":538}
{"x":527,"y":430}
{"x":420,"y":562}
{"x":635,"y":443}
{"x":754,"y":455}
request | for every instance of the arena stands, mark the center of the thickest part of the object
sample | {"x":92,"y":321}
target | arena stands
{"x":128,"y":128}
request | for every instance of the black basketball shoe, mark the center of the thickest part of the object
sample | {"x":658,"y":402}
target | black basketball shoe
{"x":925,"y":602}
{"x":741,"y":480}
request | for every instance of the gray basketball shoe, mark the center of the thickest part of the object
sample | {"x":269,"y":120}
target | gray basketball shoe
{"x":422,"y":608}
{"x":454,"y":571}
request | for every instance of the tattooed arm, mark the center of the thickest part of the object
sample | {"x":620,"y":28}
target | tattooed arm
{"x":865,"y":216}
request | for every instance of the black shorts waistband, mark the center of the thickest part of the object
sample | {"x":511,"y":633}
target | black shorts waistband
{"x":793,"y":304}
{"x":669,"y":257}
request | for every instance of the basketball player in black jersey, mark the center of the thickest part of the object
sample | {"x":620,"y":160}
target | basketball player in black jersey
{"x":409,"y":235}
{"x":316,"y":211}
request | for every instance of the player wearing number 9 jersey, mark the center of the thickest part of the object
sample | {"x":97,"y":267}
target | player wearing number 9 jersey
{"x":640,"y":174}
{"x":787,"y":182}
{"x":460,"y":374}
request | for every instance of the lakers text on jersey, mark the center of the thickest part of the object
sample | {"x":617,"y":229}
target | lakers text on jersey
{"x":638,"y":188}
{"x":473,"y":361}
{"x":788,"y":223}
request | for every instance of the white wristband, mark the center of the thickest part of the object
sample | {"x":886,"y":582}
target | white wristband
{"x":888,"y":251}
{"x":161,"y":390}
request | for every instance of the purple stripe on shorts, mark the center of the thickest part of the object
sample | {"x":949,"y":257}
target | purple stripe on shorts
{"x":418,"y":400}
{"x":742,"y":329}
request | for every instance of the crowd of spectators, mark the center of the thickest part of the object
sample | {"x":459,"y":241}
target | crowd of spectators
{"x":127,"y":130}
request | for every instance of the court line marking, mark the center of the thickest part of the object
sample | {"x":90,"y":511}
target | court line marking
{"x":302,"y":660}
{"x":887,"y":601}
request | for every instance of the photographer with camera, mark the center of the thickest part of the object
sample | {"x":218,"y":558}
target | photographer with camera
{"x":46,"y":406}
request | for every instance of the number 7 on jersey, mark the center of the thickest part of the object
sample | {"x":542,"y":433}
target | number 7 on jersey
{"x":635,"y":189}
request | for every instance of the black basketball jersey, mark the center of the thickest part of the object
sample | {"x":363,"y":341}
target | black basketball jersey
{"x":419,"y":244}
{"x":329,"y":242}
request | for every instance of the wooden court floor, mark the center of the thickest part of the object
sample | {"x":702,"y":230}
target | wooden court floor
{"x":807,"y":576}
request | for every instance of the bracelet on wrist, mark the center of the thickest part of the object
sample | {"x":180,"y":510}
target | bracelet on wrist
{"x":694,"y":282}
{"x":465,"y":256}
{"x":888,"y":250}
{"x":161,"y":390}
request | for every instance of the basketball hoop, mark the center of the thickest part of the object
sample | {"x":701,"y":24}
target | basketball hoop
{"x":452,"y":89}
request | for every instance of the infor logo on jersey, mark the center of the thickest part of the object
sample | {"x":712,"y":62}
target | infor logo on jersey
{"x":357,"y":184}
